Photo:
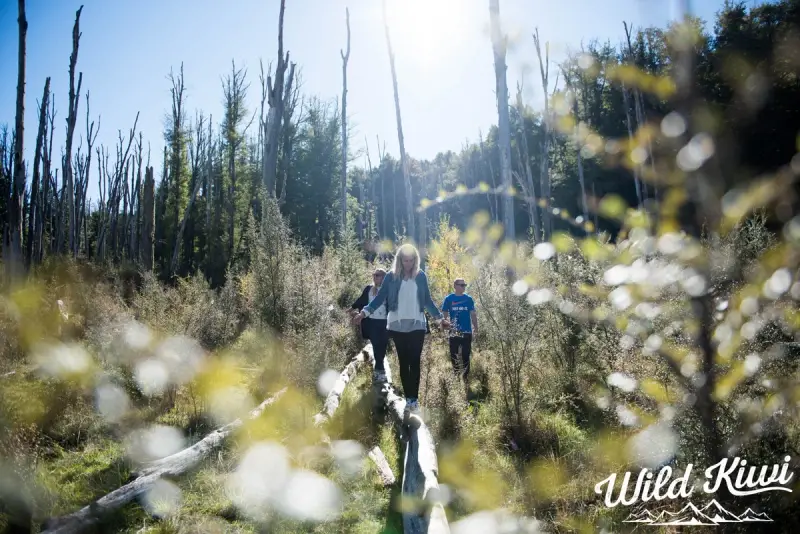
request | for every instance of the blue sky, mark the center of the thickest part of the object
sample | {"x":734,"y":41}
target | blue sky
{"x":443,"y":54}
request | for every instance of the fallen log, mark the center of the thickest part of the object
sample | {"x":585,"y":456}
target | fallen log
{"x":382,"y":465}
{"x":423,"y":512}
{"x":332,"y":403}
{"x":173,"y":465}
{"x":335,"y":394}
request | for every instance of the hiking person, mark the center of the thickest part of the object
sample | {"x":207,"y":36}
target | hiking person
{"x":374,"y":328}
{"x":459,"y":308}
{"x":407,"y":296}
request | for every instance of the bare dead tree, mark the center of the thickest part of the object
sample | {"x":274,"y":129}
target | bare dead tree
{"x":345,"y":59}
{"x":641,"y":115}
{"x":292,"y":102}
{"x":272,"y":126}
{"x":491,"y":198}
{"x":136,"y":210}
{"x":74,"y":98}
{"x":35,"y":203}
{"x":544,"y":172}
{"x":373,"y":203}
{"x":572,"y":92}
{"x":91,"y":137}
{"x":403,"y":156}
{"x":148,"y":220}
{"x":525,"y":160}
{"x":15,"y":216}
{"x":499,"y":46}
{"x":47,"y":183}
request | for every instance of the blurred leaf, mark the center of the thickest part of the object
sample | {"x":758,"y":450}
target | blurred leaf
{"x":547,"y":479}
{"x":728,"y":382}
{"x":593,"y":250}
{"x":656,"y":391}
{"x":613,"y":207}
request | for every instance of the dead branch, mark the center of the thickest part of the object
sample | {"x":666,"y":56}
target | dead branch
{"x":173,"y":465}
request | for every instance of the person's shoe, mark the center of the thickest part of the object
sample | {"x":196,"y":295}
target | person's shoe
{"x":379,"y":376}
{"x":412,"y":405}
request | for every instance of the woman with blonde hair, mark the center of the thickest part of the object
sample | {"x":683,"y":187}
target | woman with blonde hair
{"x":374,"y":328}
{"x":407,"y":296}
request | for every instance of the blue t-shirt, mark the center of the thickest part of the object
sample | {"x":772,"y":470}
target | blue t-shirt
{"x":459,"y":308}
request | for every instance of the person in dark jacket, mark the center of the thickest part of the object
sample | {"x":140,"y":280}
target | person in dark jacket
{"x":407,"y":296}
{"x":374,"y":328}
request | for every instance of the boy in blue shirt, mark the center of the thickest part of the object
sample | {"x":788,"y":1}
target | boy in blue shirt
{"x":459,"y":308}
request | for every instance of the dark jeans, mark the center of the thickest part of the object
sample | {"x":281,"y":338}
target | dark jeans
{"x":461,"y":364}
{"x":409,"y":355}
{"x":379,"y":337}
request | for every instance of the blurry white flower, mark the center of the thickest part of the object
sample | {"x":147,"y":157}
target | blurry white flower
{"x":616,"y":275}
{"x":622,"y":381}
{"x":152,"y":376}
{"x":154,"y":443}
{"x":136,"y":335}
{"x":259,"y":479}
{"x":653,"y":446}
{"x":349,"y":456}
{"x":62,"y":360}
{"x":620,"y":298}
{"x":751,"y":364}
{"x":162,"y":499}
{"x":539,"y":296}
{"x":626,"y":416}
{"x":519,"y":288}
{"x":544,"y":251}
{"x":182,"y":356}
{"x":111,"y":401}
{"x":327,"y":379}
{"x":778,"y":284}
{"x":309,"y":496}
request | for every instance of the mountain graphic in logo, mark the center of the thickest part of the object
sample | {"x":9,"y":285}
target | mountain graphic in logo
{"x":711,"y":514}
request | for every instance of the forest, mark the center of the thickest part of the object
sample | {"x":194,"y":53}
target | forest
{"x":632,"y":249}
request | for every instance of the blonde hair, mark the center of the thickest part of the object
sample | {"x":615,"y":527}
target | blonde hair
{"x":402,"y":252}
{"x":374,"y":290}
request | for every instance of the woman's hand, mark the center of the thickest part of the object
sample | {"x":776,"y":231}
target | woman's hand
{"x":358,"y":318}
{"x":444,"y":323}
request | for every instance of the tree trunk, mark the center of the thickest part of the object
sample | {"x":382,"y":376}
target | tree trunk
{"x":403,"y":158}
{"x":35,"y":203}
{"x":629,"y":124}
{"x":499,"y":44}
{"x":526,"y":164}
{"x":345,"y":59}
{"x":15,"y":216}
{"x":74,"y":97}
{"x":272,"y":133}
{"x":149,"y":222}
{"x":544,"y":172}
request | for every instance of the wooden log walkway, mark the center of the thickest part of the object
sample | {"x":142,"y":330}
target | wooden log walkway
{"x":423,"y":512}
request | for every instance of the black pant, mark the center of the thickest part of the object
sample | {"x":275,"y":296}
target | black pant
{"x":379,"y":337}
{"x":461,"y":365}
{"x":409,"y":355}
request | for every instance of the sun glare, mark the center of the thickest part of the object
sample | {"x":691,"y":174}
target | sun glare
{"x":427,"y":30}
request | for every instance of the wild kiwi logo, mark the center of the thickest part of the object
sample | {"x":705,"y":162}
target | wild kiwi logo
{"x":738,"y":478}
